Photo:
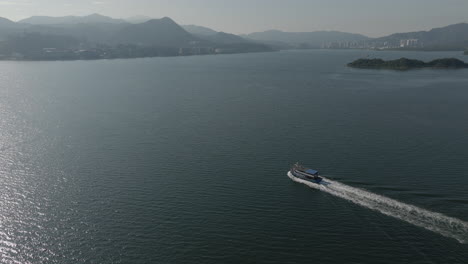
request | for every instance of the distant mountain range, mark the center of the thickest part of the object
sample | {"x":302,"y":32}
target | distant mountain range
{"x":199,"y":30}
{"x":452,"y":37}
{"x":98,"y":36}
{"x":215,"y":36}
{"x":91,"y":19}
{"x":140,"y":30}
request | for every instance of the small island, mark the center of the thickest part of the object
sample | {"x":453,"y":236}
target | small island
{"x":408,"y":64}
{"x":466,"y":52}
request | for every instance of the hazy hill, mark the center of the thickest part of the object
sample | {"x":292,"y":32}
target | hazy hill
{"x":97,"y":37}
{"x":95,"y":30}
{"x":8,"y":27}
{"x":306,"y":39}
{"x":32,"y":45}
{"x":225,"y":38}
{"x":91,"y":33}
{"x":452,"y":37}
{"x":6,"y":22}
{"x":199,"y":30}
{"x":214,"y":36}
{"x":91,"y":19}
{"x":161,"y":32}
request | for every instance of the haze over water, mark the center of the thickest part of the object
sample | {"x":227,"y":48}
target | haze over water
{"x":184,"y":160}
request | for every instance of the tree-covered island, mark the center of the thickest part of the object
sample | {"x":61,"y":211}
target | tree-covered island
{"x":407,"y":64}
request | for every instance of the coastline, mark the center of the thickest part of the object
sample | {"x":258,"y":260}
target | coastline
{"x":404,"y":64}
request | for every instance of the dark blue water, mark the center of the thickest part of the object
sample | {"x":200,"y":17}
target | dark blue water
{"x":184,"y":160}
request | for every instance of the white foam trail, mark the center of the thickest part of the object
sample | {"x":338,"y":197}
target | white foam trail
{"x":436,"y":222}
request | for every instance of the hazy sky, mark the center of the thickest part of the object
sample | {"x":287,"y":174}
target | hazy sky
{"x":370,"y":17}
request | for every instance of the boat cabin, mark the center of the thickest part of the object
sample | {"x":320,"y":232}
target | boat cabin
{"x":305,"y":170}
{"x":312,"y":172}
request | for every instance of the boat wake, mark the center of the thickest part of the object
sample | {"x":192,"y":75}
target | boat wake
{"x":444,"y":225}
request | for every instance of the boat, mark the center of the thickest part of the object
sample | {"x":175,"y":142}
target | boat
{"x":304,"y":173}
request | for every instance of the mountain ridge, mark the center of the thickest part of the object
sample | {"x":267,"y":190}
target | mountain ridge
{"x":199,"y":30}
{"x":99,"y":37}
{"x":451,"y":37}
{"x":89,"y":19}
{"x":107,"y":37}
{"x":163,"y":31}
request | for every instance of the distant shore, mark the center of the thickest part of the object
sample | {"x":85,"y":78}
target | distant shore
{"x":126,"y":52}
{"x":408,"y":64}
